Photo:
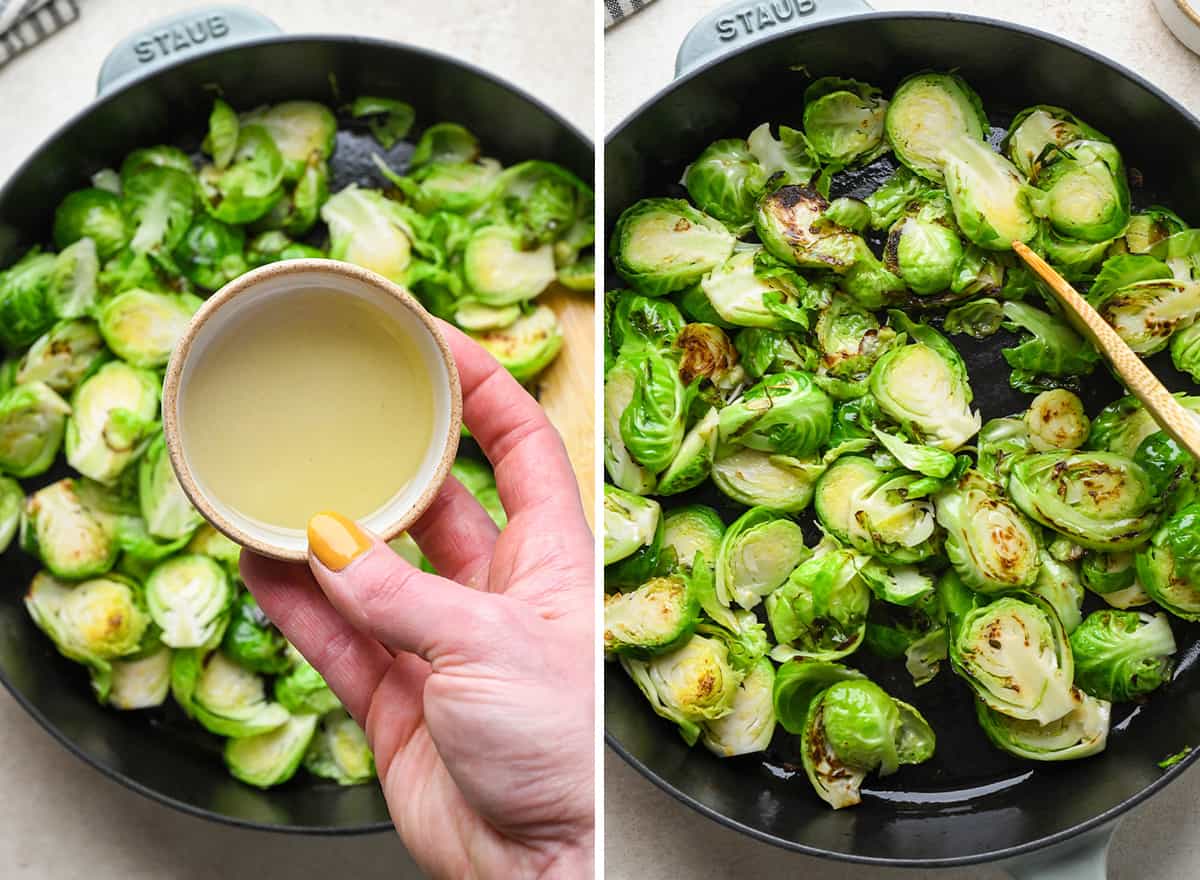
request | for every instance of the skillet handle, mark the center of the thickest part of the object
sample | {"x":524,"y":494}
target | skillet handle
{"x":187,"y":34}
{"x":748,"y":21}
{"x":1081,"y":858}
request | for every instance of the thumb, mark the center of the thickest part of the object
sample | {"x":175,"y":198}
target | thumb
{"x":386,"y":597}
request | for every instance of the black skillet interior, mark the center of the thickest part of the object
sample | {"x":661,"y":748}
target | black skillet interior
{"x":159,"y":752}
{"x":970,"y":802}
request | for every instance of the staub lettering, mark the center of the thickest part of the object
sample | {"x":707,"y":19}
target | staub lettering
{"x":762,"y":16}
{"x":180,"y":37}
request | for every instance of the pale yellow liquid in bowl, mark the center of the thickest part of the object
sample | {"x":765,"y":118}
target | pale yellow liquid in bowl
{"x":315,"y":400}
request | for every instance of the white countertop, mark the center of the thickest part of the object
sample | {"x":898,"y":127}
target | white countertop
{"x":59,"y":819}
{"x":648,"y":835}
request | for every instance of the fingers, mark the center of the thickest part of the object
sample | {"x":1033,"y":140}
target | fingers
{"x":457,"y":535}
{"x":404,"y":608}
{"x":533,"y":473}
{"x":351,"y":663}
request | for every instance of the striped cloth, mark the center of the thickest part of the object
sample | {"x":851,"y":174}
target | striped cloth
{"x":619,"y":10}
{"x":25,"y":23}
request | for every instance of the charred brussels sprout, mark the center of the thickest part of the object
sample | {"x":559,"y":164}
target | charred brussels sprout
{"x":1169,"y":566}
{"x":1122,"y":655}
{"x":850,"y":340}
{"x":339,"y":751}
{"x":641,"y":322}
{"x":657,"y":617}
{"x":1080,"y":733}
{"x":32,"y":422}
{"x":1099,"y":500}
{"x":112,"y":413}
{"x":1043,"y":126}
{"x":1146,"y":313}
{"x":692,"y":684}
{"x":820,"y":611}
{"x":928,"y":112}
{"x":663,"y":245}
{"x":1087,"y":195}
{"x":757,"y":553}
{"x":1056,"y":420}
{"x":707,"y":355}
{"x":528,"y":345}
{"x":989,"y":542}
{"x":854,"y":728}
{"x":1016,"y":657}
{"x":253,"y":641}
{"x":1122,"y":425}
{"x":843,"y":119}
{"x":63,"y":356}
{"x":189,"y":597}
{"x":790,"y":224}
{"x":786,"y":413}
{"x":725,"y":181}
{"x":73,"y":540}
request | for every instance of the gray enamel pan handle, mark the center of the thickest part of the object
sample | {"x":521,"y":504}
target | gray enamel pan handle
{"x":188,"y":34}
{"x":747,"y":21}
{"x":730,"y":29}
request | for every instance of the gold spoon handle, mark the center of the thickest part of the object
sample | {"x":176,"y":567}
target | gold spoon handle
{"x":1166,"y":410}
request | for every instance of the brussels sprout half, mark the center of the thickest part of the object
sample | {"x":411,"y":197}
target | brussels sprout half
{"x":691,"y":531}
{"x":751,"y":721}
{"x":1146,"y":313}
{"x":33,"y":419}
{"x":989,"y":542}
{"x":339,"y":751}
{"x":656,"y":618}
{"x":692,"y":464}
{"x":225,"y":697}
{"x":750,"y":289}
{"x":630,"y":523}
{"x":820,"y":611}
{"x":623,"y":470}
{"x":270,"y":758}
{"x":528,"y":345}
{"x":991,"y":205}
{"x":369,"y":230}
{"x":90,"y":622}
{"x":1169,"y":566}
{"x":72,"y":540}
{"x":843,"y":119}
{"x":25,"y":308}
{"x":300,"y":130}
{"x":663,"y":245}
{"x":1123,"y":424}
{"x":757,"y":553}
{"x":653,"y":424}
{"x":639,"y":322}
{"x":725,"y":182}
{"x":189,"y":597}
{"x":1056,"y":420}
{"x":94,"y":214}
{"x":1121,"y":655}
{"x":112,"y":413}
{"x":141,"y":681}
{"x":1080,"y":733}
{"x":165,"y":508}
{"x":1087,"y":194}
{"x":63,"y":356}
{"x":501,"y":270}
{"x":785,"y":413}
{"x":763,"y":479}
{"x":1038,"y":127}
{"x":790,"y":224}
{"x":211,"y":253}
{"x":928,"y":112}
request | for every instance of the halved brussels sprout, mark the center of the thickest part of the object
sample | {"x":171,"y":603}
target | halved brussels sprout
{"x":91,"y":622}
{"x":652,"y":425}
{"x":690,"y":532}
{"x":249,"y":187}
{"x":926,"y":390}
{"x":1113,"y":577}
{"x":1121,"y":655}
{"x":142,"y":328}
{"x":820,"y":611}
{"x":158,"y":201}
{"x":751,"y":722}
{"x":1080,"y":733}
{"x":1169,"y":566}
{"x":656,"y":618}
{"x":339,"y":751}
{"x":1058,"y":583}
{"x":211,"y":253}
{"x":850,"y":339}
{"x":1145,"y":314}
{"x":189,"y":597}
{"x":501,"y":270}
{"x":663,"y":245}
{"x":112,"y":412}
{"x":928,"y":112}
{"x":619,"y":385}
{"x":692,"y":465}
{"x":25,"y":309}
{"x":445,"y":142}
{"x":32,"y":421}
{"x":926,"y":253}
{"x":61,"y":357}
{"x":640,"y":322}
{"x":690,"y":685}
{"x":991,"y":545}
{"x":1122,"y":425}
{"x":763,"y":479}
{"x":72,"y":540}
{"x":785,"y":413}
{"x":725,"y":182}
{"x":299,"y":130}
{"x":528,"y":345}
{"x":141,"y":681}
{"x":757,"y":553}
{"x":73,"y":283}
{"x":166,"y":510}
{"x":1056,"y":420}
{"x":303,"y":690}
{"x":209,"y":542}
{"x":1147,"y":229}
{"x":631,"y":523}
{"x":161,"y":156}
{"x":799,"y":682}
{"x":253,"y":641}
{"x":1016,"y":657}
{"x":750,"y":289}
{"x":12,"y":499}
{"x":1038,"y":127}
{"x":367,"y":229}
{"x":898,"y":584}
{"x":225,"y":697}
{"x":707,"y":355}
{"x":853,"y":728}
{"x":1000,"y":443}
{"x":876,"y":511}
{"x":1100,"y":500}
{"x":790,"y":223}
{"x":789,"y":160}
{"x":843,"y":119}
{"x":94,"y":214}
{"x":270,"y":758}
{"x":1185,"y":351}
{"x":990,"y":202}
{"x":1087,"y":194}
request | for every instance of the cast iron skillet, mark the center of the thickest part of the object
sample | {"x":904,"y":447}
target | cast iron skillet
{"x":970,"y":803}
{"x":158,"y":753}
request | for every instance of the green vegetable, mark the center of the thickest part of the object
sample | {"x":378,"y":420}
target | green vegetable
{"x":663,"y":245}
{"x":843,"y":119}
{"x":339,"y":751}
{"x":1080,"y":733}
{"x":656,"y":618}
{"x":989,"y":542}
{"x":820,"y":611}
{"x":758,"y":552}
{"x":928,"y":113}
{"x":725,"y":181}
{"x":1120,"y":655}
{"x":32,"y":421}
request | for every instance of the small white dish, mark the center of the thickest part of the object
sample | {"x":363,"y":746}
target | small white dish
{"x":1182,"y":17}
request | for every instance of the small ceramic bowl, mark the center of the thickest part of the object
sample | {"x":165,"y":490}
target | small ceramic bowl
{"x":1183,"y":18}
{"x":276,"y":280}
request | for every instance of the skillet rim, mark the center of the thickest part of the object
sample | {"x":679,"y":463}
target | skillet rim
{"x":1079,"y":829}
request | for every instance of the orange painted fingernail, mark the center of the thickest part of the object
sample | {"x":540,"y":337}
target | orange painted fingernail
{"x":336,"y":540}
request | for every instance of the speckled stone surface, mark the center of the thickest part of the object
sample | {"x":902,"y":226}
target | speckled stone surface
{"x":649,"y":836}
{"x":59,"y":819}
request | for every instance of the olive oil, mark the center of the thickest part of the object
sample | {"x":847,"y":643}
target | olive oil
{"x":313,"y":401}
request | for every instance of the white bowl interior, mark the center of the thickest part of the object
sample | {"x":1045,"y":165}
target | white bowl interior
{"x":272,"y":292}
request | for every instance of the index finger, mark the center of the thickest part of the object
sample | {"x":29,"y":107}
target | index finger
{"x":527,"y":453}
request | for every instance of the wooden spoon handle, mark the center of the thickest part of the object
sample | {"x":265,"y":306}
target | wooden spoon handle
{"x":1166,"y":410}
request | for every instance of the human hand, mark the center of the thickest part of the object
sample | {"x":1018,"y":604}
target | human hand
{"x":475,"y":690}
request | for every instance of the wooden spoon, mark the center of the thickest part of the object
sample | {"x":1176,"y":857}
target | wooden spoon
{"x":1178,"y":422}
